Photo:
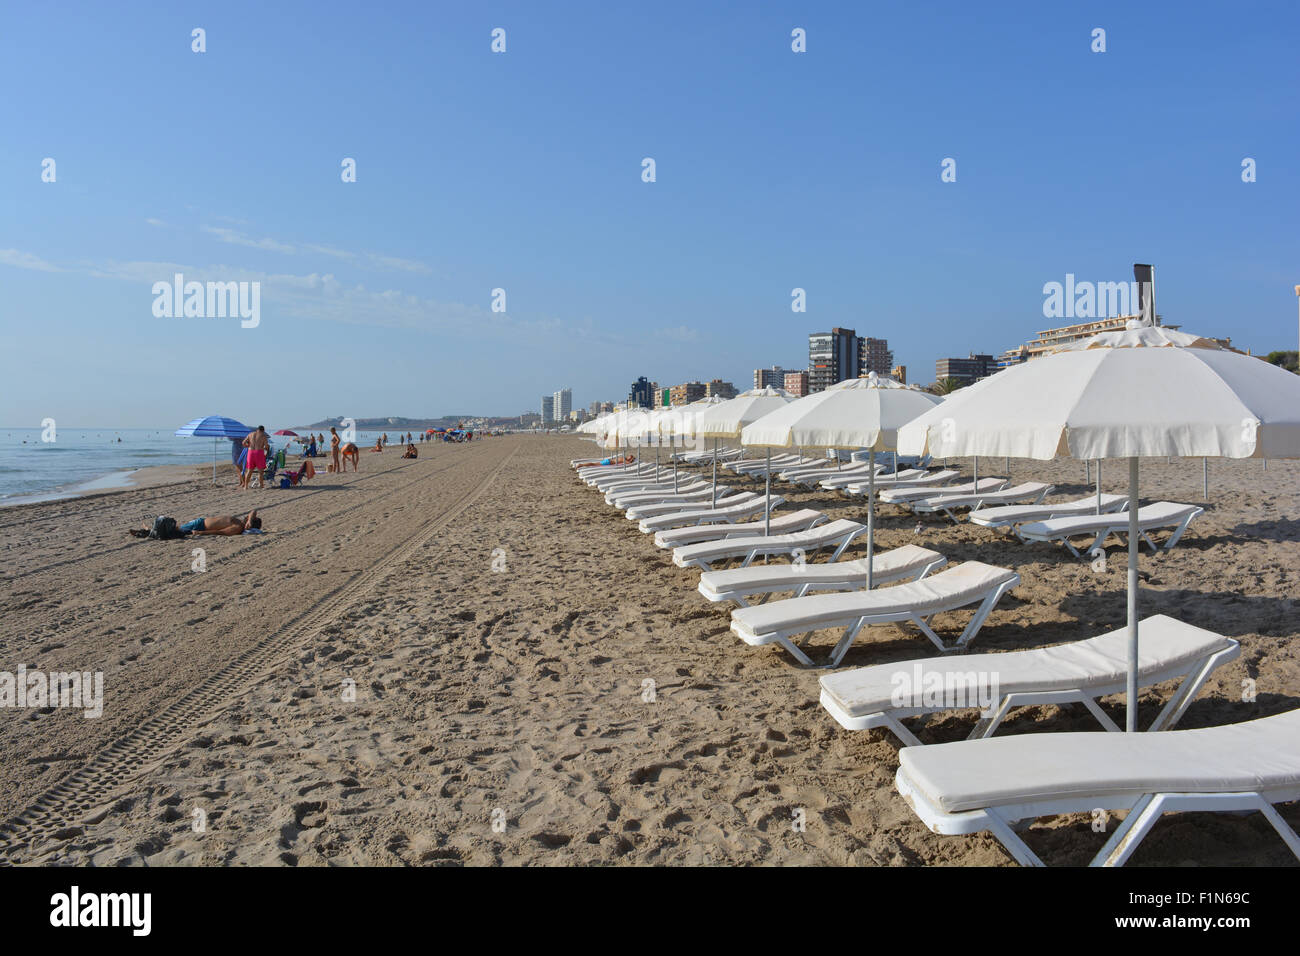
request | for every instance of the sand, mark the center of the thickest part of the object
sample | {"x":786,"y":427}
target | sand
{"x":374,"y":682}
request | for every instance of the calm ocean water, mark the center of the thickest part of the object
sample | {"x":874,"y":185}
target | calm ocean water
{"x":87,"y":459}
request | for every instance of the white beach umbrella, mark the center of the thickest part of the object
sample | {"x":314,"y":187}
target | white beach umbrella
{"x":728,"y":418}
{"x":679,"y":421}
{"x":856,"y":413}
{"x":1143,"y":392}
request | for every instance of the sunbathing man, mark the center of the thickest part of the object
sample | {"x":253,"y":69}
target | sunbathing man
{"x":257,"y":444}
{"x":229,"y":525}
{"x":410,"y":451}
{"x":351,"y":451}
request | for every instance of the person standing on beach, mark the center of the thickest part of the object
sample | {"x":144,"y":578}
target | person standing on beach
{"x":334,"y":447}
{"x":257,"y":444}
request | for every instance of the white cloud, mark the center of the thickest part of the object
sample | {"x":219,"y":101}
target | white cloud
{"x":155,"y":222}
{"x":25,"y":260}
{"x":679,"y":333}
{"x":239,"y":239}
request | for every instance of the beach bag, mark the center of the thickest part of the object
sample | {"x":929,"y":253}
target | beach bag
{"x":285,"y":483}
{"x":164,"y":529}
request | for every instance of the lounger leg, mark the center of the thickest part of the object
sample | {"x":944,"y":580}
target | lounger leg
{"x":1073,"y":550}
{"x":794,"y":649}
{"x":987,"y":725}
{"x":1178,"y":532}
{"x":935,"y":639}
{"x":928,"y":568}
{"x":1000,"y":827}
{"x":981,"y":613}
{"x":1131,"y":832}
{"x":1173,"y":711}
{"x":1287,"y":834}
{"x":1147,"y":538}
{"x":908,"y":738}
{"x":1102,"y":717}
{"x":845,"y":642}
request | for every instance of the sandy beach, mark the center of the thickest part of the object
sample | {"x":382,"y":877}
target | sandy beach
{"x":446,"y":660}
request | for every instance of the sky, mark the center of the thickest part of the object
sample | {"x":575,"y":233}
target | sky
{"x":522,"y":171}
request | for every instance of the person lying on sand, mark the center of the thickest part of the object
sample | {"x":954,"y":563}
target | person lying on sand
{"x":410,"y":451}
{"x":224,"y":524}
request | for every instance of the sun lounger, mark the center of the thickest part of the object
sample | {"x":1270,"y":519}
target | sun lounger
{"x":840,"y":482}
{"x":1008,"y":516}
{"x":906,"y":495}
{"x":759,"y":466}
{"x":1030,"y":491}
{"x":958,"y":587}
{"x":1161,"y":514}
{"x":927,"y":483}
{"x":910,"y":562}
{"x":812,"y":477}
{"x":676,"y":506}
{"x":975,"y":785}
{"x":755,"y":505}
{"x":630,"y":479}
{"x":650,"y":483}
{"x":1079,"y":672}
{"x":835,"y":533}
{"x":800,"y":520}
{"x":622,"y":499}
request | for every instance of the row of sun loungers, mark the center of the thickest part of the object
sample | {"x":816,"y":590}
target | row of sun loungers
{"x":987,"y":784}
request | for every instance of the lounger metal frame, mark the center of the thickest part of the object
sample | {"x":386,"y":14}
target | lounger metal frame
{"x":878,"y":578}
{"x":1192,"y":676}
{"x":784,"y":638}
{"x":1143,"y":812}
{"x":844,"y":539}
{"x":1119,"y":528}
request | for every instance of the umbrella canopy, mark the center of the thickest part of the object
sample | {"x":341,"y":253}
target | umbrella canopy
{"x":1145,"y":391}
{"x":1142,"y":392}
{"x":285,"y":432}
{"x":214,"y":426}
{"x":727,"y":419}
{"x":856,"y":413}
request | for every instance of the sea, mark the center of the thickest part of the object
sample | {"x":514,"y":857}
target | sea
{"x":82,"y":460}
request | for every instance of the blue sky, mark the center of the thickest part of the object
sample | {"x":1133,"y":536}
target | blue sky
{"x":522,"y":171}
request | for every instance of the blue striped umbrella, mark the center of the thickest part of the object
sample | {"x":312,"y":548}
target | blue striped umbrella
{"x":214,"y":427}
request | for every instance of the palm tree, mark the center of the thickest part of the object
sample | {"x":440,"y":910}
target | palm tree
{"x":946,"y":386}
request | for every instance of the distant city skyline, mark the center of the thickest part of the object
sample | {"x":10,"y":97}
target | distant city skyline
{"x":488,"y":227}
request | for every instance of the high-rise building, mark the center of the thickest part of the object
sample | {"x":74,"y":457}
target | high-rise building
{"x":899,"y":374}
{"x":641,"y":395}
{"x":563,"y":404}
{"x":965,"y":370}
{"x":874,"y":356}
{"x":717,"y":387}
{"x":548,"y":409}
{"x":832,"y":357}
{"x":796,"y":383}
{"x":687,"y":392}
{"x":769,"y":377}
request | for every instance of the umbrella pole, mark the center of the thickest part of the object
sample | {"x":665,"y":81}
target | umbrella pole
{"x":871,"y":519}
{"x":1098,"y":486}
{"x":767,"y":478}
{"x":674,"y":474}
{"x":1205,"y":479}
{"x":1134,"y":539}
{"x":976,"y":470}
{"x":1006,"y":466}
{"x":214,"y":460}
{"x":1087,"y":471}
{"x":713,"y":500}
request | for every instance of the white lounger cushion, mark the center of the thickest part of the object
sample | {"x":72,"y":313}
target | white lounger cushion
{"x":967,"y":583}
{"x":1015,"y":514}
{"x":800,"y":520}
{"x":1255,"y":756}
{"x":1165,"y":645}
{"x":1158,"y":515}
{"x":887,"y":566}
{"x":701,"y":514}
{"x":1029,"y":490}
{"x":927,"y":481}
{"x":903,"y":495}
{"x":676,"y":505}
{"x":833,"y":482}
{"x":809,"y":540}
